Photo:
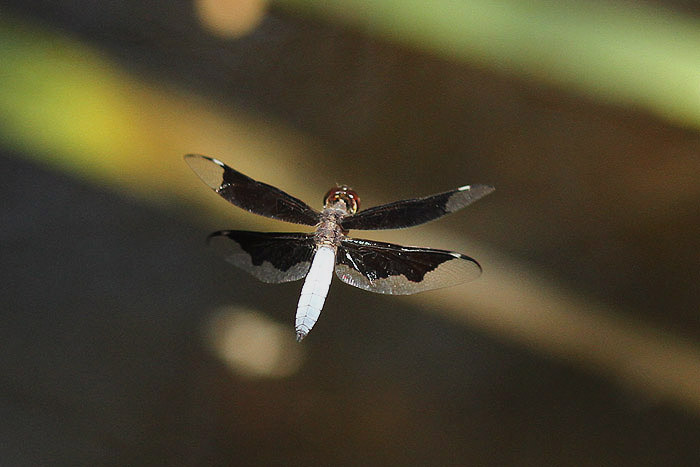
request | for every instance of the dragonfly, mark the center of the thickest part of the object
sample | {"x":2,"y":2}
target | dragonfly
{"x":378,"y":267}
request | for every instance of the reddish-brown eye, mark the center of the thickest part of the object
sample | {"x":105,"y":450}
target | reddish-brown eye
{"x":344,"y":194}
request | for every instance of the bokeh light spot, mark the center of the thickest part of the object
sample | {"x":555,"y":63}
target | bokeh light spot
{"x":253,"y":345}
{"x":230,"y":18}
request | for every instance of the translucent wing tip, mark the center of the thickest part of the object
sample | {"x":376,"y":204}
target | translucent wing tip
{"x":210,"y":170}
{"x":465,"y":195}
{"x":197,"y":161}
{"x":483,"y":190}
{"x":189,"y":158}
{"x":471,"y":260}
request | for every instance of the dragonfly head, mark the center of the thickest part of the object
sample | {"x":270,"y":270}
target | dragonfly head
{"x":346,"y":195}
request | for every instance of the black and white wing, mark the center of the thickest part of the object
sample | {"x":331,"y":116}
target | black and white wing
{"x":417,"y":211}
{"x":400,"y":270}
{"x":253,"y":196}
{"x":269,"y":256}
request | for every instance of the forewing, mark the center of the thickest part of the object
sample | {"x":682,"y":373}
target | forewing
{"x":270,"y":257}
{"x":253,"y":196}
{"x":400,"y":270}
{"x":417,"y":211}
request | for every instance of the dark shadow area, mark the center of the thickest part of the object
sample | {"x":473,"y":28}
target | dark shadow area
{"x":103,"y":299}
{"x":103,"y":362}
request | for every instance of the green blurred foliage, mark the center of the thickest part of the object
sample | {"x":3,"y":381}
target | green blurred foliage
{"x":629,"y":54}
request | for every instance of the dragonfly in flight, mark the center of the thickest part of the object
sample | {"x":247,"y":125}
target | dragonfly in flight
{"x":374,"y":266}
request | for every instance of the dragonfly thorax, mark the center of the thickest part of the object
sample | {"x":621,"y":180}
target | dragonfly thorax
{"x":329,"y":230}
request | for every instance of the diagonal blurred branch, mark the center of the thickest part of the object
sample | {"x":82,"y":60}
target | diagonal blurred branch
{"x":516,"y":302}
{"x":629,"y":54}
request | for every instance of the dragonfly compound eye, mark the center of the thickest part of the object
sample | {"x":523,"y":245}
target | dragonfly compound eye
{"x":346,"y":195}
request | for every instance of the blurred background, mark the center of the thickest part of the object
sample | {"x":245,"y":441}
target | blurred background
{"x":125,"y":341}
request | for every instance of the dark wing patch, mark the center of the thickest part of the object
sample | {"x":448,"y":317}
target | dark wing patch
{"x":253,"y":196}
{"x":412,"y":212}
{"x":401,"y":270}
{"x":270,"y":257}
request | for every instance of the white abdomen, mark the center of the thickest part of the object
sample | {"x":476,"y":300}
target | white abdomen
{"x":315,"y":289}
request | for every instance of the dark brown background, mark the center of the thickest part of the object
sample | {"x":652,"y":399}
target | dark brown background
{"x":100,"y":354}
